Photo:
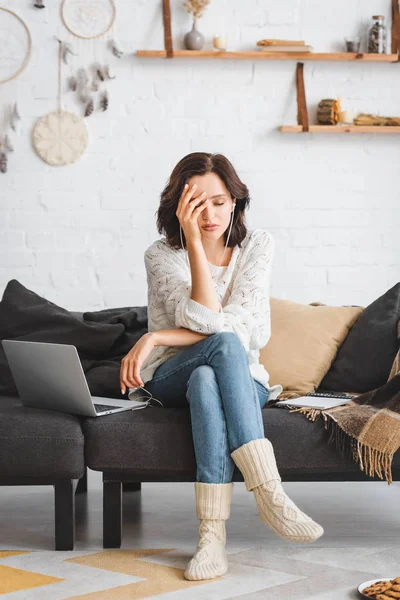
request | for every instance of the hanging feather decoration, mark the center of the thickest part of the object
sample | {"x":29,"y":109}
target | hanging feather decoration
{"x":15,"y":117}
{"x":73,"y":83}
{"x":95,"y":84}
{"x":115,"y":49}
{"x":7,"y":145}
{"x":104,"y":101}
{"x":3,"y":162}
{"x":107,"y":72}
{"x":82,"y":77}
{"x":98,"y":69}
{"x":66,"y":51}
{"x":84,"y":96}
{"x":89,"y":108}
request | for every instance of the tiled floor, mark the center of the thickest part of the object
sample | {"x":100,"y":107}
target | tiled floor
{"x":361,"y":542}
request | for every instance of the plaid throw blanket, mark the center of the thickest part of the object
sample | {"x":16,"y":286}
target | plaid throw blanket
{"x":366,"y":428}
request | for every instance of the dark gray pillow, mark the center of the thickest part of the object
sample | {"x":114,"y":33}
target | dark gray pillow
{"x":365,"y":358}
{"x":101,"y":338}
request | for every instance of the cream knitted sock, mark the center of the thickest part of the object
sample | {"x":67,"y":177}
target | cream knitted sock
{"x":213,"y":509}
{"x":256,"y":461}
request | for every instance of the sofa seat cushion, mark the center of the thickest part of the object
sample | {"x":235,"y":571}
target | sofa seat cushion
{"x":157,"y":442}
{"x":39,"y":443}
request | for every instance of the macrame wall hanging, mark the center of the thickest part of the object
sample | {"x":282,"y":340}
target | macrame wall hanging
{"x":61,"y":137}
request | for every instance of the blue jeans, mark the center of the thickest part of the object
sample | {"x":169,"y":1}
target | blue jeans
{"x":225,"y":401}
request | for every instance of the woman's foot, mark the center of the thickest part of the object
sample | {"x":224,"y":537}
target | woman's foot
{"x":256,"y":461}
{"x":213,"y":504}
{"x":278,"y":511}
{"x":210,"y":559}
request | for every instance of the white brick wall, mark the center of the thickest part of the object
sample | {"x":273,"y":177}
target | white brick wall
{"x":77,"y":234}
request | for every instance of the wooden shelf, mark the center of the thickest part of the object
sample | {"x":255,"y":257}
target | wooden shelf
{"x":260,"y":55}
{"x":341,"y":129}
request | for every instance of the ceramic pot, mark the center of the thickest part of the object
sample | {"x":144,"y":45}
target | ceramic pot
{"x":194,"y":39}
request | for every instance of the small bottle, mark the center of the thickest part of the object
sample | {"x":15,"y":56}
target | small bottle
{"x":377,"y":36}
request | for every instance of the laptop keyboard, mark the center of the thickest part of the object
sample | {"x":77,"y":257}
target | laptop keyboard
{"x":101,"y":407}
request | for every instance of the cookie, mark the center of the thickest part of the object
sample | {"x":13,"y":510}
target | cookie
{"x":384,"y":590}
{"x":392,"y":593}
{"x":377,"y":588}
{"x":379,"y":584}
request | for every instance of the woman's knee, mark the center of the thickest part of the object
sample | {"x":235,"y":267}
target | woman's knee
{"x":229,"y":342}
{"x":202,"y":384}
{"x":204,"y":375}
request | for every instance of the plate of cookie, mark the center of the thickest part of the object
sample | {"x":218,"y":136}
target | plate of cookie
{"x":380,"y":589}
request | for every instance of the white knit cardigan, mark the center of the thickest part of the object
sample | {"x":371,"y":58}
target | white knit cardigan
{"x":242,"y":289}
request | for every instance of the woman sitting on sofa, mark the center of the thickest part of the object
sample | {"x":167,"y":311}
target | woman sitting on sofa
{"x":208,"y":317}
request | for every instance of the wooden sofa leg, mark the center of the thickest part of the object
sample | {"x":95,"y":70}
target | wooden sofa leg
{"x":132,"y":486}
{"x":81,"y":488}
{"x":64,"y":501}
{"x":112,"y":514}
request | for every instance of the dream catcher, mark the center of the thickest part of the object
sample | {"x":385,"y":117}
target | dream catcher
{"x":15,"y":53}
{"x":88,"y":19}
{"x":15,"y":45}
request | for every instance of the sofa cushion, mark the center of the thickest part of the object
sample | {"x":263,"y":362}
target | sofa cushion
{"x":102,"y":338}
{"x":157,"y":442}
{"x":39,"y":443}
{"x":304,"y":341}
{"x":366,"y":356}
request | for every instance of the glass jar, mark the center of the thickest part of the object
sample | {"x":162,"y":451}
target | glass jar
{"x":377,"y":35}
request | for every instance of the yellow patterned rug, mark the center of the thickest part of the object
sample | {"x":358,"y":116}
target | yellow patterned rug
{"x":269,"y":572}
{"x":108,"y":574}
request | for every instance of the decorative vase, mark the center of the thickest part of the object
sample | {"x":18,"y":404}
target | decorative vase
{"x":194,"y":39}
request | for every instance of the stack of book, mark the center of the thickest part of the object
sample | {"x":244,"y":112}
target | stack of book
{"x":284,"y":46}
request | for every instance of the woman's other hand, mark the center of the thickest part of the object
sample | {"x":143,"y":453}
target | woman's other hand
{"x":188,"y":212}
{"x":132,"y":362}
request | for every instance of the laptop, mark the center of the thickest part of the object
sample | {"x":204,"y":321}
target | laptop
{"x":51,"y":376}
{"x":319,"y":400}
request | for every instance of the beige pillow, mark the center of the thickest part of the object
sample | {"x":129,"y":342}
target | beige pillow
{"x":304,"y":341}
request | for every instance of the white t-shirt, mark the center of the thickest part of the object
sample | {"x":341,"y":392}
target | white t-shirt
{"x":242,"y":288}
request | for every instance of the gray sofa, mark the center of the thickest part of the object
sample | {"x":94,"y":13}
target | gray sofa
{"x":43,"y":447}
{"x":39,"y":447}
{"x":155,"y":445}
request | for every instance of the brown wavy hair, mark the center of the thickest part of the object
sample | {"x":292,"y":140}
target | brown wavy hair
{"x":199,"y":163}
